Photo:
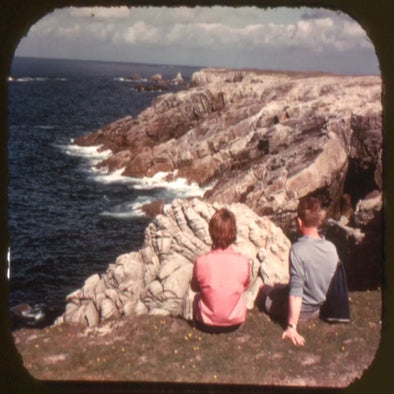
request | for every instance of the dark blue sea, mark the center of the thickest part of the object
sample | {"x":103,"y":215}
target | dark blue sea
{"x":66,"y":219}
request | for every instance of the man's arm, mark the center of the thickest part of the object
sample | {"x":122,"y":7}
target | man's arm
{"x":294,"y":314}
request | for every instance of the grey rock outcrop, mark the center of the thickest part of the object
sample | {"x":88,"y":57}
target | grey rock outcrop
{"x":156,"y":279}
{"x":258,"y":141}
{"x":261,"y":138}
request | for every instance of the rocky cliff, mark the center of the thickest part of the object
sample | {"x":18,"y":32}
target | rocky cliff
{"x":261,"y":138}
{"x":259,"y":141}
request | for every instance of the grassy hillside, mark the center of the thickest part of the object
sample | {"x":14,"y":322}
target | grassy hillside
{"x":165,"y":349}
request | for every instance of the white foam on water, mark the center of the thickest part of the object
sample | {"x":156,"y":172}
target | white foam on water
{"x":128,"y":210}
{"x":179,"y":186}
{"x":103,"y":176}
{"x":92,"y":153}
{"x":162,"y":189}
{"x":33,"y":79}
{"x":158,"y":186}
{"x":26,"y":79}
{"x":45,"y":127}
{"x":122,"y":79}
{"x":130,"y":80}
{"x":126,"y":214}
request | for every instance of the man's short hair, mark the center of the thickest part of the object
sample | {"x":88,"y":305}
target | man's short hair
{"x":310,"y":212}
{"x":222,"y":229}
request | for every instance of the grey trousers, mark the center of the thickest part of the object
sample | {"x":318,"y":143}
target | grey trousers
{"x":275,"y":301}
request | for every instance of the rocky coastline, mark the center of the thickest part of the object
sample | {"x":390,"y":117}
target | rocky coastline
{"x":258,"y":141}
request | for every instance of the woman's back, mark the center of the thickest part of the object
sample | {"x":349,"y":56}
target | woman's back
{"x":222,"y":276}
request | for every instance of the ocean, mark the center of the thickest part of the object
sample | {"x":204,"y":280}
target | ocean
{"x":66,"y":219}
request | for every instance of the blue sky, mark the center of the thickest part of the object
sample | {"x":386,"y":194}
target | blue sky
{"x":281,"y":38}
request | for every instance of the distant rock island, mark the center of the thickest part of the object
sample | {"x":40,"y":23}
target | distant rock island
{"x":258,"y":141}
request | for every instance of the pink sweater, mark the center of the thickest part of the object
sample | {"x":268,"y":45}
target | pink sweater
{"x":221,"y":277}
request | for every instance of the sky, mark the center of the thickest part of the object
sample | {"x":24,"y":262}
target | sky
{"x":247,"y":37}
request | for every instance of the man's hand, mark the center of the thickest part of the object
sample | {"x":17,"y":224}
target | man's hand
{"x":294,"y":336}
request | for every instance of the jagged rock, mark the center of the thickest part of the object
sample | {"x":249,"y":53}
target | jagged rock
{"x":108,"y":310}
{"x":90,"y":313}
{"x":135,"y":77}
{"x":90,"y":285}
{"x":360,"y":242}
{"x":346,"y":232}
{"x":178,"y":79}
{"x":369,"y":210}
{"x":154,"y":208}
{"x":156,"y":279}
{"x":262,"y":138}
{"x":155,"y":78}
{"x":26,"y":314}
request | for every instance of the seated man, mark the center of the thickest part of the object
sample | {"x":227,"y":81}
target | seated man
{"x":313,"y":261}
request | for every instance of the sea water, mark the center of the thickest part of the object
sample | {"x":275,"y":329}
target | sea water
{"x":66,"y":219}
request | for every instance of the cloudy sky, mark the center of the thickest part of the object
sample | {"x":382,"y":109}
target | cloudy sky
{"x":281,"y":38}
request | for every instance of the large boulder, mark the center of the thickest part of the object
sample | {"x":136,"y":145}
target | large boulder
{"x":156,"y":279}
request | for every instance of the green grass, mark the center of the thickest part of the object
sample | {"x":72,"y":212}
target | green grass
{"x":164,"y":349}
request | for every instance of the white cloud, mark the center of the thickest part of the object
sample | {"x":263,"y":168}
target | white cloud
{"x":324,"y":23}
{"x":225,"y":29}
{"x":140,"y":33}
{"x":317,"y":30}
{"x":102,"y":32}
{"x":353,"y":29}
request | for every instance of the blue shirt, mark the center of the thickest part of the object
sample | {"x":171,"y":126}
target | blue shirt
{"x":312,"y":265}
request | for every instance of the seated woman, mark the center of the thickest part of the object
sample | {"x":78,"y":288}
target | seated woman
{"x":220,"y":277}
